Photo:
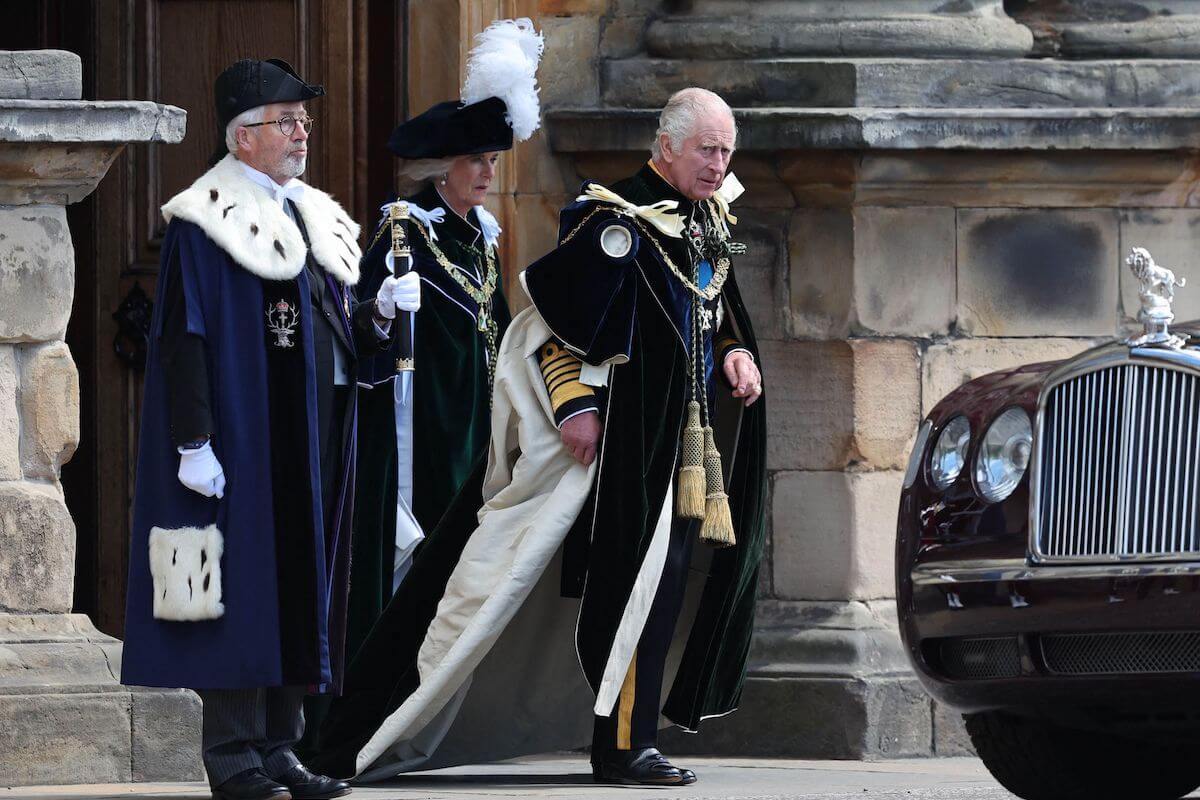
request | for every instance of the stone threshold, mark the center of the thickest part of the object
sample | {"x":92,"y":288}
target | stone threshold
{"x":591,"y":130}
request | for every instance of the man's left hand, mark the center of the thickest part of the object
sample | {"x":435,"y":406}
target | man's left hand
{"x":743,"y":375}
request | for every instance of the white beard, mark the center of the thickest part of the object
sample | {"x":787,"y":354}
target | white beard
{"x":292,"y":166}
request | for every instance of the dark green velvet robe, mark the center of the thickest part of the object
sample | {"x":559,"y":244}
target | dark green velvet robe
{"x":451,"y":411}
{"x":643,"y":422}
{"x":644,"y":412}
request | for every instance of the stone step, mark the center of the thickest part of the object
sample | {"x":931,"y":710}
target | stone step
{"x":65,"y":716}
{"x":112,"y":735}
{"x":780,"y":33}
{"x":591,"y":130}
{"x":908,"y":83}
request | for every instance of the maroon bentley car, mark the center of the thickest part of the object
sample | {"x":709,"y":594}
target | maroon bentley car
{"x":1048,"y":563}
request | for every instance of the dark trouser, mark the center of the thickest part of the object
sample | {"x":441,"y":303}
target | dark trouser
{"x":633,"y":724}
{"x":250,"y":728}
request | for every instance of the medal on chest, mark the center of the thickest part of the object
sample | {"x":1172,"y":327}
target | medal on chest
{"x":695,"y":232}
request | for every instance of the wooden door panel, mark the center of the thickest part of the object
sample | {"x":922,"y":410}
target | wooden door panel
{"x":171,"y":51}
{"x":193,"y":40}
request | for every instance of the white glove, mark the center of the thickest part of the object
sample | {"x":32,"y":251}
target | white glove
{"x":200,"y":471}
{"x":402,"y":293}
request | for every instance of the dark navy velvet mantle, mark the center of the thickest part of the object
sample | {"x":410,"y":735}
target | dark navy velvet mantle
{"x":243,"y":649}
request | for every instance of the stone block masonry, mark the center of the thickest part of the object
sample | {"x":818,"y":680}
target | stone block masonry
{"x":925,"y":204}
{"x":63,"y":713}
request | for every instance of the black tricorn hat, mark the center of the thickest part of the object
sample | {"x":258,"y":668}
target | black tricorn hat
{"x":453,"y":129}
{"x":250,"y":83}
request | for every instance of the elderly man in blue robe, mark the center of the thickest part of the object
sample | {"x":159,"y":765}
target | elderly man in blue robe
{"x":239,"y":554}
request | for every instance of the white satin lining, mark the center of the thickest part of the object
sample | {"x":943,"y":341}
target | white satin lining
{"x":637,"y":610}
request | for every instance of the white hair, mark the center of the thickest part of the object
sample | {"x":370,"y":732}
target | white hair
{"x":679,"y":116}
{"x":247,"y":117}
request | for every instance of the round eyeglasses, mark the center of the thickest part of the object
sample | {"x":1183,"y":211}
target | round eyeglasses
{"x":287,"y":125}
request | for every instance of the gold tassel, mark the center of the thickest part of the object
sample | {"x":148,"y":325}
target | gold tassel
{"x":717,"y":529}
{"x":689,"y":497}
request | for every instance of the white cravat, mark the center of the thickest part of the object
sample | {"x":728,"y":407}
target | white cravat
{"x":292,"y":190}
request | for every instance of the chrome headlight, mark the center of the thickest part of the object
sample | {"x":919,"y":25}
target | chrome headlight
{"x":914,"y":460}
{"x":950,"y":452}
{"x":1004,"y":455}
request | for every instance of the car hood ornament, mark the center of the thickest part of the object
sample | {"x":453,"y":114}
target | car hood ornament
{"x":1157,"y":292}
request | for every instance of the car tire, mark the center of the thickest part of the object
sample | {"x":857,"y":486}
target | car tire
{"x":1037,"y":759}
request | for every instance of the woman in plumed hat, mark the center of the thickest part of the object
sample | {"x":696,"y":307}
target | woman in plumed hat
{"x":439,"y":403}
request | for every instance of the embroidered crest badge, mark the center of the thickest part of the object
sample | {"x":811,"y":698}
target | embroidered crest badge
{"x":282,"y":318}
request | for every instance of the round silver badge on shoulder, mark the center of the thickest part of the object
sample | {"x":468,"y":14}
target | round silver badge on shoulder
{"x":616,"y":240}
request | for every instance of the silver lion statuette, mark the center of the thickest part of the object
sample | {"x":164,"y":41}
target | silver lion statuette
{"x":1157,"y":292}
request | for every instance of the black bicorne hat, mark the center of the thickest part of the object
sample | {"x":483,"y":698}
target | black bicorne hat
{"x":250,"y":83}
{"x":453,"y":129}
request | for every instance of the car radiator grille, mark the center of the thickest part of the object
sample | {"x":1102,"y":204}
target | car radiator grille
{"x":1118,"y":464}
{"x":1121,"y":653}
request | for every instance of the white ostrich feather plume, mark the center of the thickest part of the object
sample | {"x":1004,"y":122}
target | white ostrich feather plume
{"x":504,"y":64}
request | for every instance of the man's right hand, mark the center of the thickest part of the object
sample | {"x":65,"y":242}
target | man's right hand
{"x":581,"y":435}
{"x":200,"y":471}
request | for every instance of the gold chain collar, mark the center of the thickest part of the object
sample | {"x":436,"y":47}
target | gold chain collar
{"x":720,"y":269}
{"x":485,"y":321}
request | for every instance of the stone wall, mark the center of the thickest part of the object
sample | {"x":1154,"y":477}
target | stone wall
{"x":925,"y":203}
{"x":64,"y":717}
{"x":535,"y":182}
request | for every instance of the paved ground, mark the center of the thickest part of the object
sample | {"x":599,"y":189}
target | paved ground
{"x":568,"y":778}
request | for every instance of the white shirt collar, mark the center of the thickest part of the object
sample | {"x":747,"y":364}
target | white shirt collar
{"x":293,"y":189}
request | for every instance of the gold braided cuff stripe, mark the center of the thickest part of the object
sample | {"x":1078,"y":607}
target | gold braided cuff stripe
{"x":560,"y":371}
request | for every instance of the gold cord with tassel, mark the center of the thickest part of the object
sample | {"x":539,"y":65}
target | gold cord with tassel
{"x":690,"y":497}
{"x":701,"y":489}
{"x":717,"y":529}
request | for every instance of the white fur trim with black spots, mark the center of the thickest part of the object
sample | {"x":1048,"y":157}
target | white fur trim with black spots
{"x":185,"y":564}
{"x":246,"y":222}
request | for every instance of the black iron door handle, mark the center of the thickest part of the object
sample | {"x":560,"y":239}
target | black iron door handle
{"x":133,"y":327}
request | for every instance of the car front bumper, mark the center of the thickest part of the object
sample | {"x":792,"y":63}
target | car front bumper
{"x":1056,"y":640}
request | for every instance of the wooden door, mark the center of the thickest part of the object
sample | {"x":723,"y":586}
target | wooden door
{"x":170,"y":51}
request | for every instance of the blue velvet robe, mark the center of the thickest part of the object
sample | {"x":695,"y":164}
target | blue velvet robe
{"x":279,"y":580}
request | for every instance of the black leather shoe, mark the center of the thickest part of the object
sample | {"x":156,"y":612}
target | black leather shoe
{"x":253,"y":784}
{"x":645,"y":767}
{"x":305,"y":785}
